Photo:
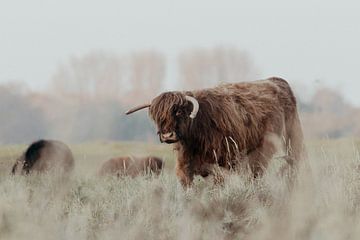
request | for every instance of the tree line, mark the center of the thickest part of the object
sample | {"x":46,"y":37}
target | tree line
{"x":88,"y":95}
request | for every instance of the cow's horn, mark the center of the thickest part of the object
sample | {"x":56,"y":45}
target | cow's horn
{"x":195,"y":104}
{"x":137,"y":108}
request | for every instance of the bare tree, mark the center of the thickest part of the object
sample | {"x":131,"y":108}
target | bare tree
{"x":20,"y":121}
{"x":97,"y":87}
{"x":108,"y":76}
{"x":199,"y":68}
{"x":147,"y":70}
{"x":329,"y":100}
{"x":97,"y":74}
{"x":329,"y":115}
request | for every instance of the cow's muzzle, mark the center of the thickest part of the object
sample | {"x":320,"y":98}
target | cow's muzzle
{"x":170,"y":137}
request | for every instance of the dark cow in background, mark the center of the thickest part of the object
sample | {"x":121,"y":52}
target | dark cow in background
{"x":45,"y":155}
{"x":227,"y":124}
{"x":131,"y":166}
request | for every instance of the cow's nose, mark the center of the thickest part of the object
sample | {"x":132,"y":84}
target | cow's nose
{"x":168,"y":135}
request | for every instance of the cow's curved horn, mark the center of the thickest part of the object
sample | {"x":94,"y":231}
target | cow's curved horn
{"x":137,"y":108}
{"x":195,"y":104}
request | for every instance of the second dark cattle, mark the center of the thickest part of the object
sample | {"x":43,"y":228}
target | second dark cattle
{"x":131,"y":166}
{"x":44,"y":155}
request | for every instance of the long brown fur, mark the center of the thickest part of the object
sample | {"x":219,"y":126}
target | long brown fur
{"x":131,"y":166}
{"x":235,"y":121}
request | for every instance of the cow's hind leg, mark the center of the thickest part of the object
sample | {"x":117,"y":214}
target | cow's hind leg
{"x":259,"y":157}
{"x":295,"y":143}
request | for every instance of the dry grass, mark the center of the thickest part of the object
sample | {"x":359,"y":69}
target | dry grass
{"x":323,"y":204}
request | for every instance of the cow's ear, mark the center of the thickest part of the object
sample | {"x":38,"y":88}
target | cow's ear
{"x":187,"y":108}
{"x":13,"y":170}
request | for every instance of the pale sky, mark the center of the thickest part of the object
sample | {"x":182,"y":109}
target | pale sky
{"x":302,"y":41}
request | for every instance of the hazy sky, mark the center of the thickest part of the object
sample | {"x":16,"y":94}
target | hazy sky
{"x":302,"y":41}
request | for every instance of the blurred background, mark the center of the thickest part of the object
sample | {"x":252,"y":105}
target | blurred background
{"x":70,"y":69}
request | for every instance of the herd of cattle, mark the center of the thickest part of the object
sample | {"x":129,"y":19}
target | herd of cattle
{"x":50,"y":155}
{"x":220,"y":126}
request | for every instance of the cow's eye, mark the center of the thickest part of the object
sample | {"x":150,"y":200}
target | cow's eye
{"x":179,"y":112}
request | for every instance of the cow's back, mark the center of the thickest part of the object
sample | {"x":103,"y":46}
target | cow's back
{"x":114,"y":166}
{"x":45,"y":155}
{"x":131,"y":166}
{"x":54,"y":155}
{"x":285,"y":95}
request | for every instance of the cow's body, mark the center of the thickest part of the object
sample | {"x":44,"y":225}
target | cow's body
{"x":131,"y":166}
{"x":232,"y":122}
{"x":45,"y":155}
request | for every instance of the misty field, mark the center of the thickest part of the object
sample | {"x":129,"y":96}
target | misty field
{"x":322,"y":204}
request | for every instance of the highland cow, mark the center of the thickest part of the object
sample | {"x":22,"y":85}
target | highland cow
{"x":228,"y":124}
{"x":131,"y":166}
{"x":43,"y":156}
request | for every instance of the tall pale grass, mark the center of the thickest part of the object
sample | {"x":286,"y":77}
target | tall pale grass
{"x":323,"y":203}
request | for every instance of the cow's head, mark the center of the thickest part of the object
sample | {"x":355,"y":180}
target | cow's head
{"x":19,"y":166}
{"x":173,"y":113}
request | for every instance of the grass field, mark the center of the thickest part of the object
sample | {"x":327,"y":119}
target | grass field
{"x":324,"y":203}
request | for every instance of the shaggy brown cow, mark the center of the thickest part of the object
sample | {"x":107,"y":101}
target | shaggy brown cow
{"x":44,"y":155}
{"x":227,"y":124}
{"x":130,"y":166}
